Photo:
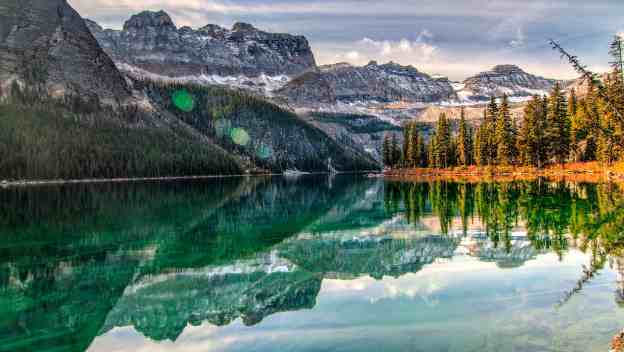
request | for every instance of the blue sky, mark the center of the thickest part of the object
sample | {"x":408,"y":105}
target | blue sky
{"x":456,"y":38}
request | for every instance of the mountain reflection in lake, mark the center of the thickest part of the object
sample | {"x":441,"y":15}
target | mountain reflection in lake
{"x":311,"y":264}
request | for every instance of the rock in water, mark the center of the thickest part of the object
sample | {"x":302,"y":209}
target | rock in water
{"x":46,"y":43}
{"x":150,"y":41}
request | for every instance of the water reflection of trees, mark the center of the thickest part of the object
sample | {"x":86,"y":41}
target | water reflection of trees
{"x":552,"y":213}
{"x":555,"y":215}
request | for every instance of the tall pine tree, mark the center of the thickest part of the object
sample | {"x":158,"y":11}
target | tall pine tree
{"x":532,"y":146}
{"x":481,"y":147}
{"x":395,"y":151}
{"x":558,"y":129}
{"x":504,"y":135}
{"x":464,"y":141}
{"x":491,"y":118}
{"x":387,"y":151}
{"x":443,"y":143}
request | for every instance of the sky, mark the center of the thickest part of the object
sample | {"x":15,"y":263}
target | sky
{"x":454,"y":38}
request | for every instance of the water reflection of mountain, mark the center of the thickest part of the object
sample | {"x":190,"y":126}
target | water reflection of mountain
{"x":287,"y":278}
{"x":516,"y":252}
{"x":80,"y":260}
{"x":71,"y":252}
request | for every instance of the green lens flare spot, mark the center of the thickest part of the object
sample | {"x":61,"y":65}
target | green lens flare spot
{"x":264,"y":151}
{"x":240,"y":136}
{"x":183,"y":100}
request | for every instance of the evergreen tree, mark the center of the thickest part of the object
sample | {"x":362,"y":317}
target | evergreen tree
{"x":481,"y":147}
{"x":607,"y":148}
{"x":395,"y":150}
{"x":504,"y":135}
{"x":423,"y":153}
{"x":432,"y":152}
{"x":531,"y":143}
{"x":492,"y":111}
{"x":387,"y":151}
{"x":558,"y":129}
{"x":413,"y":154}
{"x":470,"y":144}
{"x":407,"y":139}
{"x":464,"y":141}
{"x":491,"y":117}
{"x":443,"y":147}
{"x":575,"y":126}
{"x":514,"y":137}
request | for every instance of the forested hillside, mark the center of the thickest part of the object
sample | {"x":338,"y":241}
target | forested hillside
{"x":41,"y":138}
{"x":263,"y":133}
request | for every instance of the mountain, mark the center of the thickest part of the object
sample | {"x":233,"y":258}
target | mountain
{"x":504,"y":79}
{"x":151,"y":42}
{"x":46,"y":43}
{"x":360,"y":132}
{"x":373,"y":82}
{"x":266,"y":135}
{"x":73,"y":114}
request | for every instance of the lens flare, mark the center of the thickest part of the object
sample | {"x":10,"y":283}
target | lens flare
{"x":223,"y":127}
{"x":240,"y":136}
{"x":264,"y":151}
{"x":183,"y":100}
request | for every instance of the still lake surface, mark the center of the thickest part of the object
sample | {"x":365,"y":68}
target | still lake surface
{"x":314,"y":263}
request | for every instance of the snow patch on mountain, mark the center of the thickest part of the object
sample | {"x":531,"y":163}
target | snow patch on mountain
{"x":262,"y":84}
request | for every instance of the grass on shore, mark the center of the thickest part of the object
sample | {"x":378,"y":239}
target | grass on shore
{"x":581,"y":171}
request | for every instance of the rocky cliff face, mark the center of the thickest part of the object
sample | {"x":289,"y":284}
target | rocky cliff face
{"x":150,"y":41}
{"x":373,"y":82}
{"x":266,"y":135}
{"x":46,"y":43}
{"x":504,"y":79}
{"x":364,"y":133}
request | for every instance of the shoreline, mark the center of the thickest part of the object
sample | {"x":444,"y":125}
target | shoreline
{"x":26,"y":183}
{"x":581,"y":172}
{"x":23,"y":183}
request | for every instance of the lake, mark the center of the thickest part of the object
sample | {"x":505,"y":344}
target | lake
{"x":314,"y":263}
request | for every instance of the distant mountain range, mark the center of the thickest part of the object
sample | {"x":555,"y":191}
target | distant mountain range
{"x":283,"y":66}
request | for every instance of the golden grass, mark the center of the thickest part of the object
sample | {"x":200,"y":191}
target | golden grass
{"x":576,"y":172}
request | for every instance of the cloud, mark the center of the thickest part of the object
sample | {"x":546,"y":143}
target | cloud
{"x":520,"y":40}
{"x":418,"y":48}
{"x":469,"y":35}
{"x":353,"y":55}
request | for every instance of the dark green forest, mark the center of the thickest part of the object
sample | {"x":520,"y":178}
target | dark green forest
{"x":42,"y":138}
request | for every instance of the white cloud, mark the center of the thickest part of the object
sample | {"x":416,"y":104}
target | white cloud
{"x":420,"y":49}
{"x":353,"y":55}
{"x":520,"y":40}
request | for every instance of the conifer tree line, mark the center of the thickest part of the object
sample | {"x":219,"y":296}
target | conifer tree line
{"x":555,"y":129}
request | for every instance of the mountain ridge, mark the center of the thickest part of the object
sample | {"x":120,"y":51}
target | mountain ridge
{"x":388,"y":82}
{"x":505,"y":79}
{"x":151,"y":41}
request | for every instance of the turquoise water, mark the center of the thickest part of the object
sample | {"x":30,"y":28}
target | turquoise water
{"x":313,"y":263}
